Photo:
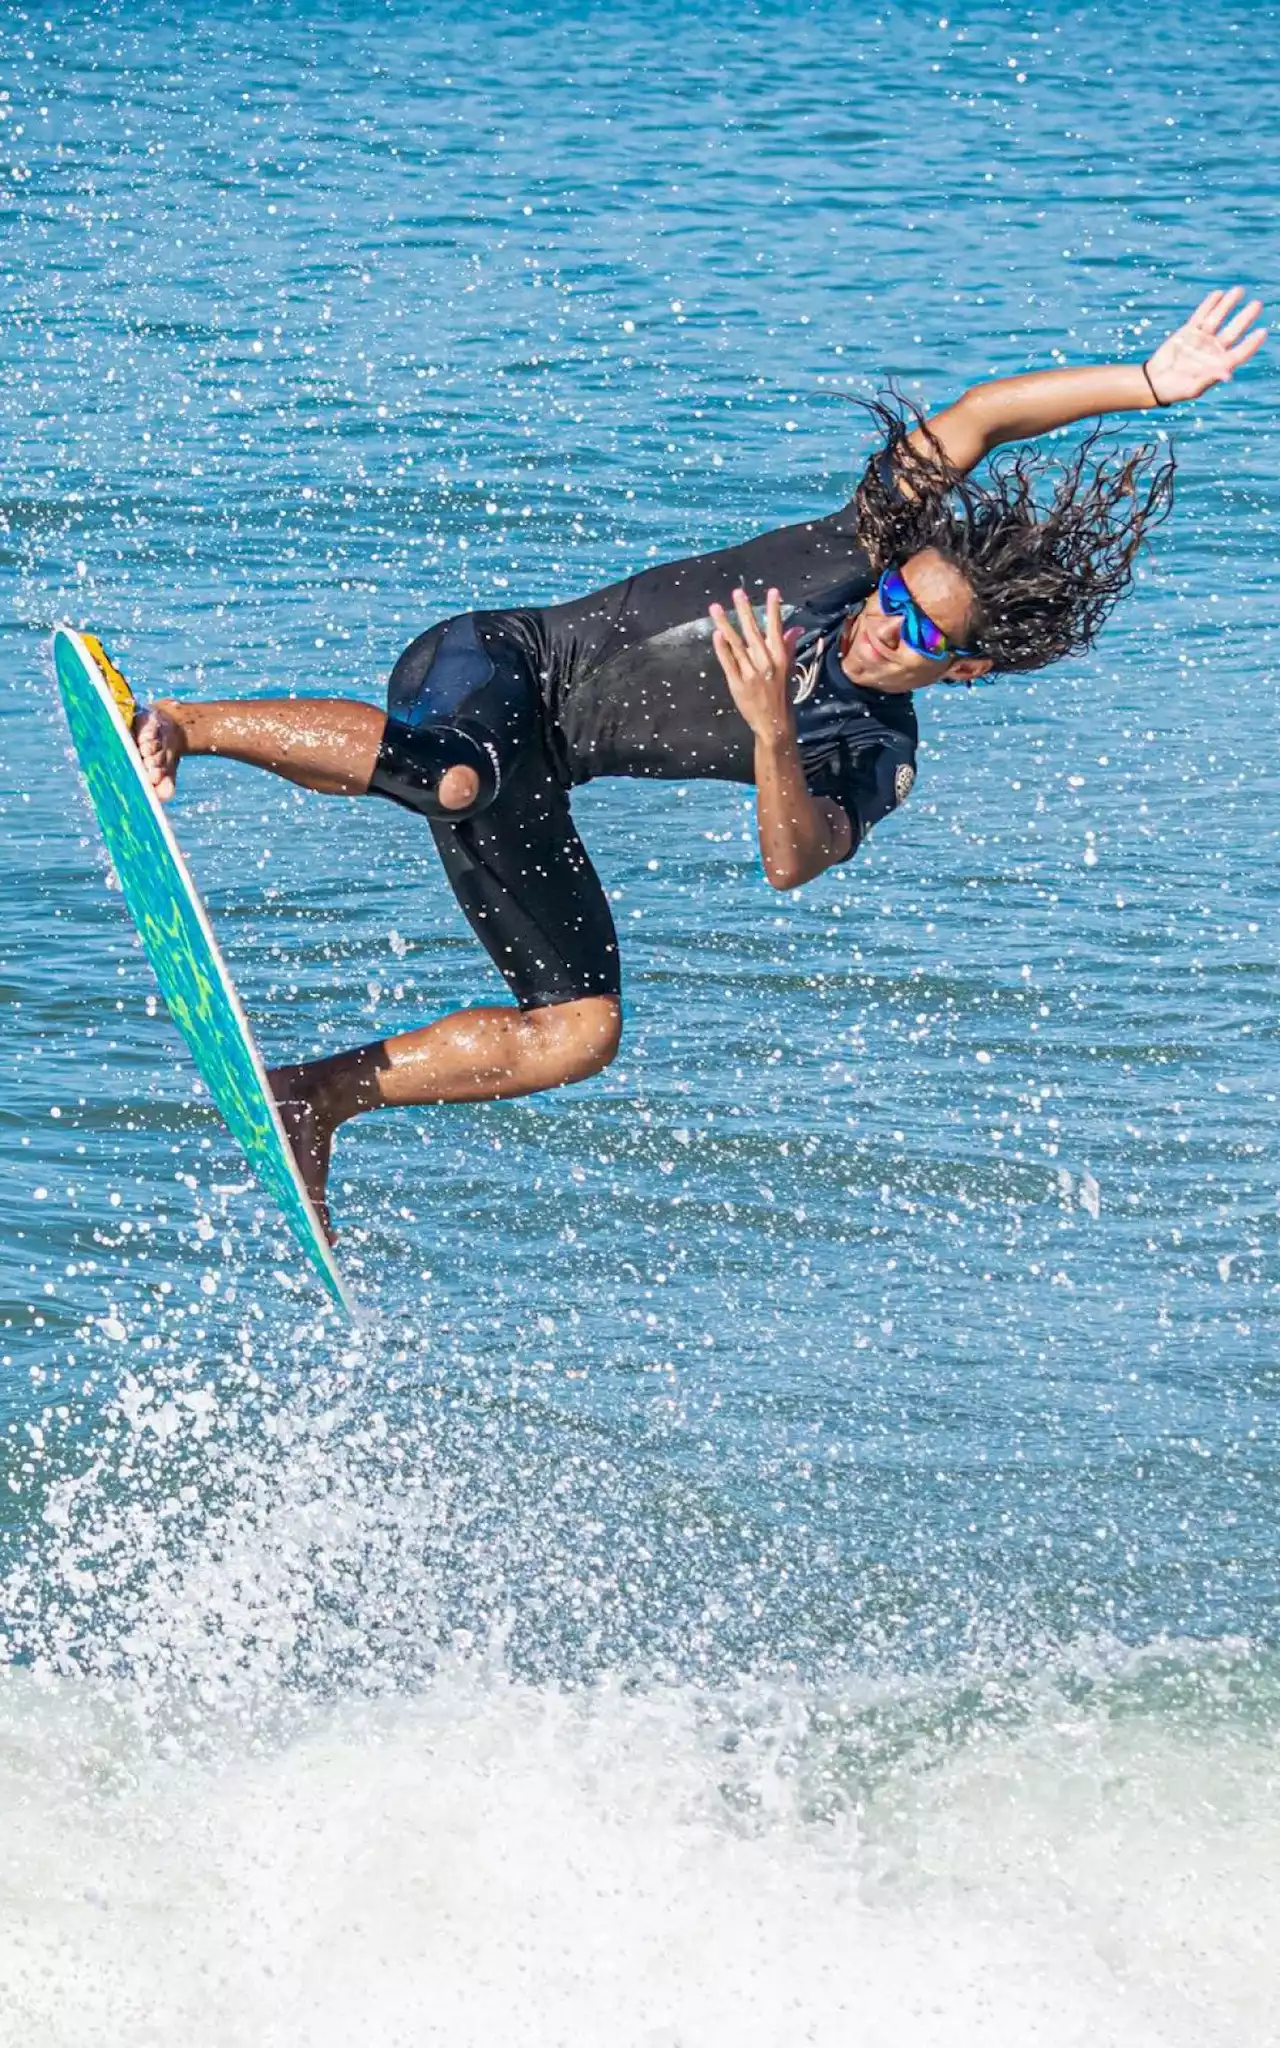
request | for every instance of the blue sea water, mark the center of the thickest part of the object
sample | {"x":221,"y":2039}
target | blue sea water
{"x":790,"y":1554}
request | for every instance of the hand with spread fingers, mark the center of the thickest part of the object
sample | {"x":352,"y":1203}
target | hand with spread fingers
{"x":757,"y":663}
{"x":1208,"y":348}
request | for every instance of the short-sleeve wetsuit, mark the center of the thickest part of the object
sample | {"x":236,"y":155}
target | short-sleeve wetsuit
{"x":626,"y":682}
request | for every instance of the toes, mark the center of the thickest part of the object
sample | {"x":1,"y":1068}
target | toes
{"x":155,"y":754}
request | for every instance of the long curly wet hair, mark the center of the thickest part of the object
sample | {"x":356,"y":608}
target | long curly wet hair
{"x":1045,"y":570}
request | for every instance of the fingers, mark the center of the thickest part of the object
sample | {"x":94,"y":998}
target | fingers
{"x":748,"y":622}
{"x":775,"y":638}
{"x":769,"y":642}
{"x":756,"y":662}
{"x":729,"y":649}
{"x":1225,"y":301}
{"x":1243,"y":319}
{"x":723,"y":628}
{"x":1248,"y":347}
{"x":1204,"y":309}
{"x":752,"y":641}
{"x":781,"y":641}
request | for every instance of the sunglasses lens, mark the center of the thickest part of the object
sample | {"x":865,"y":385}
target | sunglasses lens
{"x":894,"y":595}
{"x":927,"y":638}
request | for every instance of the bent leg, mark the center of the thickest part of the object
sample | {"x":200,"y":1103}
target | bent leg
{"x":526,"y":884}
{"x":481,"y":1055}
{"x":462,"y":709}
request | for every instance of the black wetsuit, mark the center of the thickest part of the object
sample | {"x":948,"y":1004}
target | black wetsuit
{"x":624,"y":682}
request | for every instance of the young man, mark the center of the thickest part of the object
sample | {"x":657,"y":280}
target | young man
{"x":925,"y":576}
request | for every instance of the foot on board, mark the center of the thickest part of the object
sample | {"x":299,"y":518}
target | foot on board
{"x":310,"y":1136}
{"x":161,"y":743}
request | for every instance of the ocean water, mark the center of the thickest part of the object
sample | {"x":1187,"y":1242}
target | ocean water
{"x":789,"y":1554}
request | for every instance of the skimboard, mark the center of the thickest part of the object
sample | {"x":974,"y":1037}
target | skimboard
{"x":176,"y":934}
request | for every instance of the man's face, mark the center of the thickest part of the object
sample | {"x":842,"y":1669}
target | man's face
{"x":874,"y":652}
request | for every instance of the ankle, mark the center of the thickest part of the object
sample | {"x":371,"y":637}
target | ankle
{"x":332,"y":1089}
{"x":180,"y":717}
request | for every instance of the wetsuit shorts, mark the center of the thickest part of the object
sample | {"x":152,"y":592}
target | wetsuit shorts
{"x":518,"y":868}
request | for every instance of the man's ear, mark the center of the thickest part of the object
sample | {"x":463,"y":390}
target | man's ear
{"x":969,"y":668}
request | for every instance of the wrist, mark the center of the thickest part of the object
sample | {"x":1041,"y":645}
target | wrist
{"x":1152,"y":396}
{"x":776,"y":737}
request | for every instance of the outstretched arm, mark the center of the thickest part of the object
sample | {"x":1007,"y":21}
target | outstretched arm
{"x":1205,"y":351}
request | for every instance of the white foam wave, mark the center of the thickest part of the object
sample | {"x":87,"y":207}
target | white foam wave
{"x":492,"y":1863}
{"x":258,"y":1785}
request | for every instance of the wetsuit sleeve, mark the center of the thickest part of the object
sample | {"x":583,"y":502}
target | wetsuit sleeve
{"x":867,"y":781}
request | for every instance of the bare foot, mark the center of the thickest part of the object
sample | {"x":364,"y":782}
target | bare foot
{"x":309,"y":1135}
{"x":161,"y":742}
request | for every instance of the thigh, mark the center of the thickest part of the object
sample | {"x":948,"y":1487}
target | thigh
{"x":529,"y":891}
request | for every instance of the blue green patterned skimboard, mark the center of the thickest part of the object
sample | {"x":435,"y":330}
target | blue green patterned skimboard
{"x":179,"y":942}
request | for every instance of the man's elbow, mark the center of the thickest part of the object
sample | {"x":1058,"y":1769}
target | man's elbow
{"x":988,"y":411}
{"x":786,"y":875}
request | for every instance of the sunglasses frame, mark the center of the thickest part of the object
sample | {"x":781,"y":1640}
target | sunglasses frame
{"x":913,"y":616}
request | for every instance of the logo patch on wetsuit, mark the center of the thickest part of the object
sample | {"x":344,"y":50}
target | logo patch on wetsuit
{"x":807,"y":669}
{"x":904,"y":776}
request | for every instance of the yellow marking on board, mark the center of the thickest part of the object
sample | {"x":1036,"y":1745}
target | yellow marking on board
{"x":115,"y":682}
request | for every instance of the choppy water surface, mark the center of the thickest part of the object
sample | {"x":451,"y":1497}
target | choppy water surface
{"x":791,"y":1554}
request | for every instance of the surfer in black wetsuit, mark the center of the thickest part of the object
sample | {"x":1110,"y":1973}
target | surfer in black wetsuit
{"x":926,"y":576}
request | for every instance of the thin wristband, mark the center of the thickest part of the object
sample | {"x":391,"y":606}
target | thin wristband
{"x":1161,"y":402}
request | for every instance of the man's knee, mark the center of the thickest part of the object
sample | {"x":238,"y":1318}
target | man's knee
{"x":577,"y":1039}
{"x":445,"y":772}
